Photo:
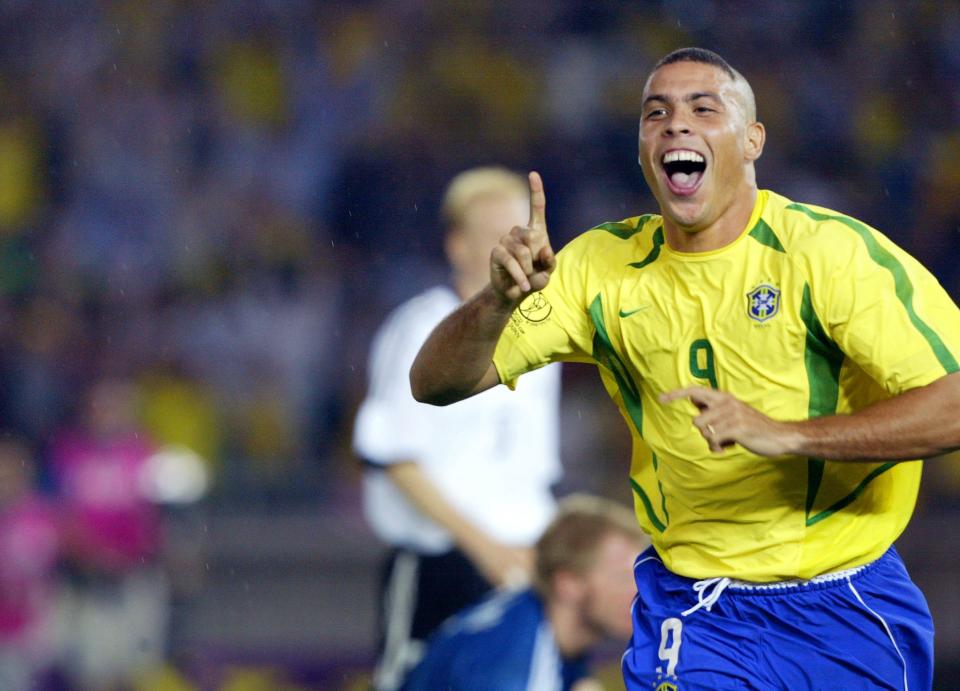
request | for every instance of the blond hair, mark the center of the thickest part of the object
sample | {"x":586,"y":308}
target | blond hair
{"x":571,"y":541}
{"x":478,"y":183}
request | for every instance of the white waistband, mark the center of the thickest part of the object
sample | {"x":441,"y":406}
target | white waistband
{"x":709,"y":590}
{"x":798,"y":582}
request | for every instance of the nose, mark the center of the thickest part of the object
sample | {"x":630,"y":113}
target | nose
{"x":676,"y":126}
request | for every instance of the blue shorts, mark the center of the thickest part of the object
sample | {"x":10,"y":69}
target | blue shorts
{"x":869,"y":628}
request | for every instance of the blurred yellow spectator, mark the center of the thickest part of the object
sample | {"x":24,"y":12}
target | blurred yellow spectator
{"x":179,"y":411}
{"x":21,"y":174}
{"x":163,"y":678}
{"x":257,"y":679}
{"x":266,"y":431}
{"x":879,"y":127}
{"x":250,"y":78}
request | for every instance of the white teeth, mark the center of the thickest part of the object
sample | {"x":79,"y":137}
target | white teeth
{"x":682,"y":155}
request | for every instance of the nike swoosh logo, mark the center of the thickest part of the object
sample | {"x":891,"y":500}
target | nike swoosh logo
{"x":624,"y":314}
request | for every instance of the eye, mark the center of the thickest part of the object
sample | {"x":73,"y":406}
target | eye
{"x":704,"y":109}
{"x":655,"y":113}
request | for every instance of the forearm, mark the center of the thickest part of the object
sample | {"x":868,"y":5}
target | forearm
{"x":919,"y":423}
{"x":455,"y":362}
{"x":424,"y":495}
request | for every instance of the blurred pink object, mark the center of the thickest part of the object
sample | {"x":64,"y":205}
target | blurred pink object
{"x":111,"y":526}
{"x":29,"y":546}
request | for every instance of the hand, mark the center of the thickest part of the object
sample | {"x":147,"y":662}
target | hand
{"x":523,"y":261}
{"x":587,"y":684}
{"x":725,"y":420}
{"x":502,"y":565}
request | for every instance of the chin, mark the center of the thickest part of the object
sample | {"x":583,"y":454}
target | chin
{"x":687,"y":216}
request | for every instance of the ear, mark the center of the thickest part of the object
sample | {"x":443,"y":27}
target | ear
{"x":755,"y":136}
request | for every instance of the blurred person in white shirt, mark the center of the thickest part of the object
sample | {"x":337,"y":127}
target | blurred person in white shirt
{"x":460,"y":493}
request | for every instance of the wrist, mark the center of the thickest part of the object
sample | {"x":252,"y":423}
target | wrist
{"x":500,"y":302}
{"x":794,"y":439}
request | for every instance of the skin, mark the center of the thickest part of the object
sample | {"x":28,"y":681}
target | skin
{"x":585,"y":609}
{"x":468,"y":245}
{"x":520,"y":263}
{"x":456,"y":360}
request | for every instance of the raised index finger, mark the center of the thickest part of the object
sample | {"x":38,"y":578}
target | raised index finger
{"x":538,"y":202}
{"x":699,"y":395}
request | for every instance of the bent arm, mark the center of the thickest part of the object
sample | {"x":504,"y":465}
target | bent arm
{"x":500,"y":564}
{"x":456,"y":361}
{"x":919,"y":423}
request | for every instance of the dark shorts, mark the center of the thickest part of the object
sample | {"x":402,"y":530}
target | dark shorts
{"x":418,"y":593}
{"x":870,"y":629}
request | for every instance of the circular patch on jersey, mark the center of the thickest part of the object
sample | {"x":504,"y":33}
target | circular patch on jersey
{"x":535,"y":308}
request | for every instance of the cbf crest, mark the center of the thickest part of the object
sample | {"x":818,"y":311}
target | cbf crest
{"x":763,"y":302}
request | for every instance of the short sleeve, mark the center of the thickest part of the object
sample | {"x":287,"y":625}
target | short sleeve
{"x":552,"y":325}
{"x":883,"y":309}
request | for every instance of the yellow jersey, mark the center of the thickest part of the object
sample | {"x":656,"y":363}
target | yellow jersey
{"x":808,"y":313}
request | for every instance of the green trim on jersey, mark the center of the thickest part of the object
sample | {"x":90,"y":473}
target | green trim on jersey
{"x":764,"y":234}
{"x":622,"y":230}
{"x":815,"y":468}
{"x":847,"y":500}
{"x":605,"y":355}
{"x":654,"y":253}
{"x":903,"y":287}
{"x":663,"y":496}
{"x":822,"y":359}
{"x":645,"y":500}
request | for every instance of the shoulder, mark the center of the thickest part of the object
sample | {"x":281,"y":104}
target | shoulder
{"x":487,"y":646}
{"x":430,"y":306}
{"x":503,"y":610}
{"x":824,"y":236}
{"x":627,"y":233}
{"x":415,"y":318}
{"x":615,"y":243}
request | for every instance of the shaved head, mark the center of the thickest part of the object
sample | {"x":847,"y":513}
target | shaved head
{"x":743,"y":91}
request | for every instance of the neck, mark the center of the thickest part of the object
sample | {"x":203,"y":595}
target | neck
{"x":726,"y":228}
{"x":572,"y":634}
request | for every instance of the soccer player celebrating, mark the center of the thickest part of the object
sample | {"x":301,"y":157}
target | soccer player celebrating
{"x":815,"y":359}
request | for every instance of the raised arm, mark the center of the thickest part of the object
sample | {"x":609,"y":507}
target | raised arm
{"x":456,"y":361}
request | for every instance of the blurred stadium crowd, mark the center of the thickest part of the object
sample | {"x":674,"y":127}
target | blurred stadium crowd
{"x":216,"y":202}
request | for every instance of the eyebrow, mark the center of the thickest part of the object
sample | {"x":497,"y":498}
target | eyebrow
{"x":688,"y":98}
{"x":654,"y":97}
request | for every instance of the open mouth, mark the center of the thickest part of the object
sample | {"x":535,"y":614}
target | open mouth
{"x":684,"y":169}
